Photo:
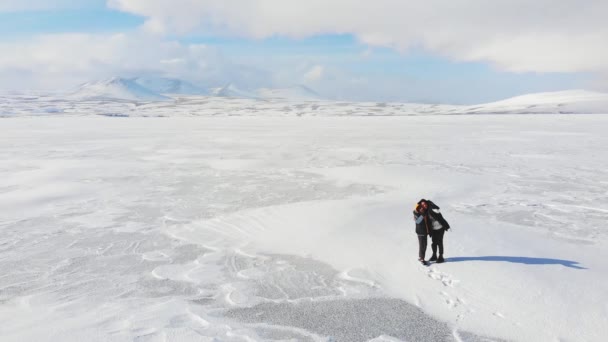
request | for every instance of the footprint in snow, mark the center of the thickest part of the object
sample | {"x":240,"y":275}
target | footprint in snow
{"x":498,"y":314}
{"x":445,"y":279}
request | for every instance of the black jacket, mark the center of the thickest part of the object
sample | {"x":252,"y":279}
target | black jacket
{"x":436,"y":215}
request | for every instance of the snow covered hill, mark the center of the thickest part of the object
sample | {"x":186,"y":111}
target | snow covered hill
{"x":163,"y":85}
{"x":231,"y":90}
{"x":116,"y":88}
{"x":298,"y":92}
{"x":294,"y":93}
{"x":559,"y":102}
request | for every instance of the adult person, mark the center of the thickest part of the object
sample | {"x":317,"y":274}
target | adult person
{"x":429,"y":221}
{"x":422,"y":228}
{"x":438,"y":226}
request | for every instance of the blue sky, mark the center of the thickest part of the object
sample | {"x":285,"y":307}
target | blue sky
{"x":338,"y":65}
{"x":23,"y":23}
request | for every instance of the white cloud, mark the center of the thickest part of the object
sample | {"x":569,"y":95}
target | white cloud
{"x":63,"y":60}
{"x":314,"y":74}
{"x":515,"y":35}
{"x":367,"y":53}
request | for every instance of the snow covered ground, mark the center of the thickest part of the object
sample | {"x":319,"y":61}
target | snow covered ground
{"x":298,"y":228}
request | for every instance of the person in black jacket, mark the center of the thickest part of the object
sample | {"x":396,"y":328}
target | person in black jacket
{"x":437,"y":227}
{"x":429,"y":221}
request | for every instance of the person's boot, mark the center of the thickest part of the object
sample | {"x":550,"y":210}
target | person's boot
{"x":423,"y":262}
{"x":440,"y":259}
{"x":434,"y":258}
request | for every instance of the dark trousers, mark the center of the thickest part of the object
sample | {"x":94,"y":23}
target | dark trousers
{"x":437,"y":237}
{"x":421,"y":246}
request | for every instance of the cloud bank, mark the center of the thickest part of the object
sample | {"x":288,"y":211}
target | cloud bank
{"x":565,"y":37}
{"x":60,"y":61}
{"x":513,"y":35}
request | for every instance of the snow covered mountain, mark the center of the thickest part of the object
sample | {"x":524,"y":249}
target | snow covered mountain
{"x":566,"y":102}
{"x":298,"y":92}
{"x":116,"y":88}
{"x":163,"y":85}
{"x":231,"y":90}
{"x":283,"y":101}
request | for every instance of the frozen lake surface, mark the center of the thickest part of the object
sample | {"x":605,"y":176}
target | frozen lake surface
{"x":300,"y":228}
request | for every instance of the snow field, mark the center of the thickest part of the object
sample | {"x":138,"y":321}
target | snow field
{"x":189,"y":229}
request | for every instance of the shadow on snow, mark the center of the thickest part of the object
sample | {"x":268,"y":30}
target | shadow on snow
{"x":521,"y":260}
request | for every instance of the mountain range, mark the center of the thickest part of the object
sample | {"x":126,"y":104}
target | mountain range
{"x":116,"y":88}
{"x":145,"y":89}
{"x":149,"y":89}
